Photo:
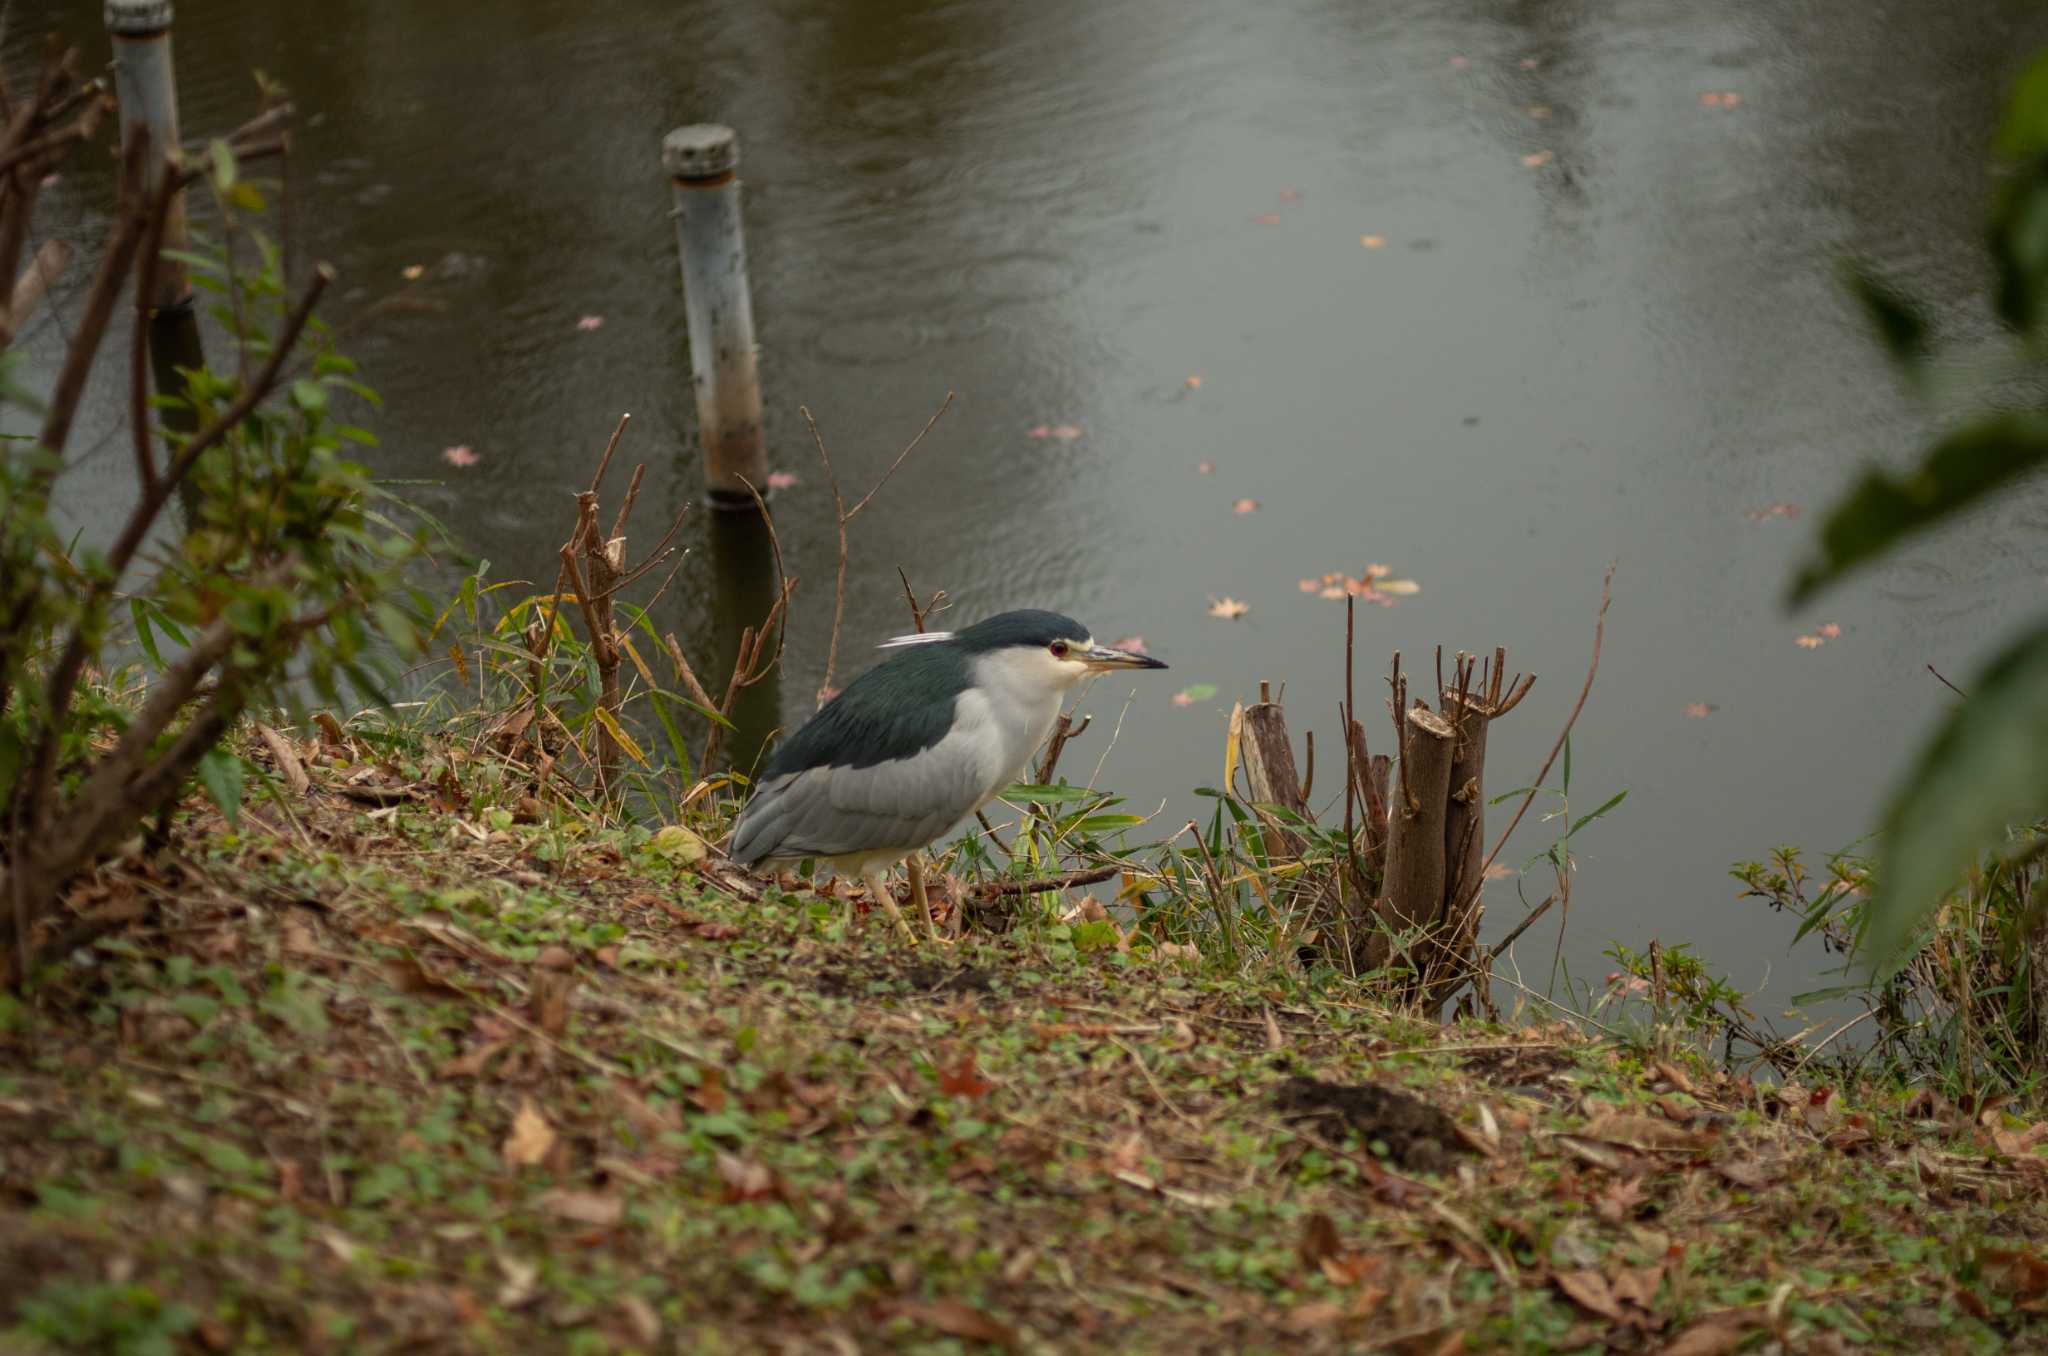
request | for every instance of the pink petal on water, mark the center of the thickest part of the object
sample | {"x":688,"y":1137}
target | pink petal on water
{"x":590,"y":322}
{"x":1039,"y":431}
{"x":459,"y":456}
{"x":1066,"y":433}
{"x":781,"y":480}
{"x":1267,"y":219}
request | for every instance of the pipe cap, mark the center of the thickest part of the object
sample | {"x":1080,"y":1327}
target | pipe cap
{"x":703,"y":150}
{"x":137,"y":18}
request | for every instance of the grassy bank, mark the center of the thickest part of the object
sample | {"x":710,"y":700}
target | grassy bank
{"x":387,"y":1070}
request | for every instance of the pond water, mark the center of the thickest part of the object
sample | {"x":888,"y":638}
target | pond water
{"x":1487,"y":291}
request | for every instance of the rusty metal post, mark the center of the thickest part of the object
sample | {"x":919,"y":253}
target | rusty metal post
{"x":702,"y":162}
{"x":146,"y":85}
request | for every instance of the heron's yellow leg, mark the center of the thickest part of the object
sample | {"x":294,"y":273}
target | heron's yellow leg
{"x":880,"y":891}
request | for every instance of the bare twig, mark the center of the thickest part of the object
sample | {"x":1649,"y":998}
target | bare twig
{"x":1536,"y":784}
{"x":1091,"y":876}
{"x":1946,"y":683}
{"x":846,"y":516}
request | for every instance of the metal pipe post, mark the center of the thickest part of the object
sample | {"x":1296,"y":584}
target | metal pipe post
{"x":702,"y":162}
{"x":147,"y":88}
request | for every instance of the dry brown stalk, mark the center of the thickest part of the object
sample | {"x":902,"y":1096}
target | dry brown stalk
{"x":846,"y":517}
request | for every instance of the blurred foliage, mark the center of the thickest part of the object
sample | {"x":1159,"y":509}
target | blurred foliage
{"x":1983,"y":777}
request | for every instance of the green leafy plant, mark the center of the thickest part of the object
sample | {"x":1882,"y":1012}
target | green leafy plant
{"x":1985,"y":771}
{"x":278,"y":573}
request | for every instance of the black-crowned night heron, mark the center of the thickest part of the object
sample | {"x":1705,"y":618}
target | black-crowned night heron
{"x":918,"y":743}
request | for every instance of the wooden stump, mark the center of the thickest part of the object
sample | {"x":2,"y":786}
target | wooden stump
{"x":1412,"y":895}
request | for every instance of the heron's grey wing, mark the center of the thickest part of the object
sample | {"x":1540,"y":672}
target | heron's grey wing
{"x":907,"y":802}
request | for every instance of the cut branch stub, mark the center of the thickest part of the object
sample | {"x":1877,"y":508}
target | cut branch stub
{"x":1412,"y":896}
{"x":1465,"y":819}
{"x":1270,"y":773}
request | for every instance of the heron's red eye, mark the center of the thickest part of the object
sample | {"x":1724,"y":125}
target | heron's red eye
{"x":1059,"y":649}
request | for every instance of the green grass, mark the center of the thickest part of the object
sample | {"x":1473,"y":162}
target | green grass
{"x":304,"y":1100}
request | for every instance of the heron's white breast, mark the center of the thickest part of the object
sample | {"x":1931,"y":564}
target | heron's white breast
{"x":1017,"y":694}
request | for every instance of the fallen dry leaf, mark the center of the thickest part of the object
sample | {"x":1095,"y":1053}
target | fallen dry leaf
{"x":957,"y":1318}
{"x":1809,"y":642}
{"x":963,"y":1079}
{"x":1589,"y":1290}
{"x":1319,"y":1241}
{"x":1640,"y":1132}
{"x":745,"y":1179}
{"x":532,"y":1138}
{"x":584,"y":1207}
{"x":1228,"y":608}
{"x":461,"y":455}
{"x":1373,"y":242}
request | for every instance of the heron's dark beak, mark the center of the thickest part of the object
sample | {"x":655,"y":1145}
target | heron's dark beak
{"x":1102,"y":659}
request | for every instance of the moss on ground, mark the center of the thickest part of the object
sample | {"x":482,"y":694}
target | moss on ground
{"x":422,"y":1077}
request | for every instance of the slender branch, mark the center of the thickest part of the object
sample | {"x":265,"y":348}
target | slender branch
{"x":604,"y":462}
{"x":1946,"y":683}
{"x":138,"y":347}
{"x":944,"y":405}
{"x":1092,"y":876}
{"x":1536,"y":784}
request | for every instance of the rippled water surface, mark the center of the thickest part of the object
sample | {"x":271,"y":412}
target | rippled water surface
{"x":1601,"y":324}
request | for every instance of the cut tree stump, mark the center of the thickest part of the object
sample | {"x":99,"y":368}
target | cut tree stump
{"x":1412,"y":896}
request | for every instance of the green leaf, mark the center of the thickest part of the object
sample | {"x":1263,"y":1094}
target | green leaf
{"x":1884,"y":508}
{"x":2024,"y":133}
{"x":246,"y":196}
{"x":1047,"y":794}
{"x":1985,"y":770}
{"x":223,"y":164}
{"x":2019,"y":247}
{"x":309,"y":396}
{"x":1585,"y":819}
{"x":145,"y":634}
{"x":220,"y":772}
{"x":1898,"y":318}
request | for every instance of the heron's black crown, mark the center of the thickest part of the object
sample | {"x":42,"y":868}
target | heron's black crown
{"x":1029,"y":627}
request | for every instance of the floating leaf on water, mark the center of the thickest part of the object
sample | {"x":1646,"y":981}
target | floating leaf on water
{"x":1194,"y":692}
{"x":1700,"y":710}
{"x":1039,"y":431}
{"x":1228,"y":608}
{"x":1770,"y":511}
{"x":781,"y":480}
{"x":1528,"y":63}
{"x":1267,"y":219}
{"x":1195,"y":383}
{"x":1205,"y":468}
{"x":1538,"y":111}
{"x":1536,"y":158}
{"x":1290,"y":195}
{"x":1829,"y":630}
{"x":460,"y":456}
{"x":1809,"y":642}
{"x":1721,"y":98}
{"x":1373,"y":242}
{"x":413,"y":272}
{"x":1459,"y":63}
{"x":1245,"y":506}
{"x":1066,"y":433}
{"x":589,"y":322}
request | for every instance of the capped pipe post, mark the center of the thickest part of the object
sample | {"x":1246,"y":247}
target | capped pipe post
{"x":146,"y":85}
{"x":702,"y":163}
